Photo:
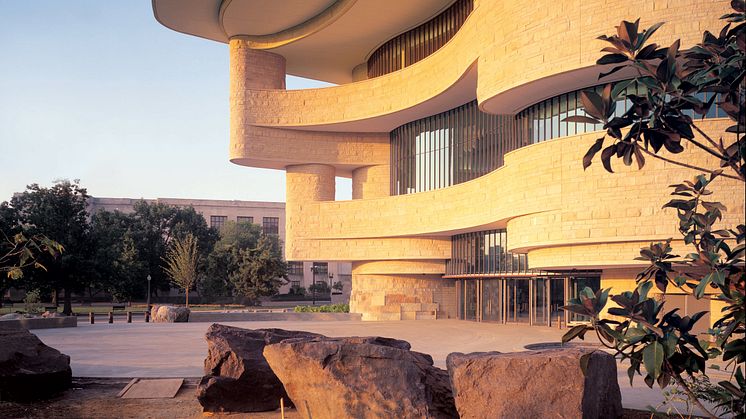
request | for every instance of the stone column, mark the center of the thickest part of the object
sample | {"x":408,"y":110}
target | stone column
{"x":371,"y":182}
{"x":253,"y":68}
{"x":250,"y":70}
{"x":304,"y":184}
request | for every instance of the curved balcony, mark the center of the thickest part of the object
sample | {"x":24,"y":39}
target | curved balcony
{"x":555,"y":204}
{"x":525,"y":54}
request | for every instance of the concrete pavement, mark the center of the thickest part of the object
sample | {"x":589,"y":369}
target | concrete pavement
{"x":179,"y":349}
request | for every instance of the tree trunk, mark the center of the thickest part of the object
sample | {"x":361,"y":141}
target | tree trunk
{"x":187,"y":297}
{"x":68,"y":308}
{"x":54,"y":297}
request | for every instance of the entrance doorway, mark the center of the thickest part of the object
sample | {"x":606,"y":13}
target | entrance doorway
{"x":524,"y":300}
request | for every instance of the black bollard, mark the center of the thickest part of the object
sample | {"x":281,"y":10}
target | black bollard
{"x":91,"y":317}
{"x":111,"y":317}
{"x":129,"y":317}
{"x":147,"y":317}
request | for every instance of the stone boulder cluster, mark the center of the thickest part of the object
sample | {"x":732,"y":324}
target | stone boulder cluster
{"x":375,"y":377}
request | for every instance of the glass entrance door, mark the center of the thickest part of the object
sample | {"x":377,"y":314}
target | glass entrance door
{"x":492,"y":300}
{"x":539,"y":301}
{"x":518,"y":301}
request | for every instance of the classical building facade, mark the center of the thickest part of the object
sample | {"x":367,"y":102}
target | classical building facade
{"x":269,"y":215}
{"x":469,"y":196}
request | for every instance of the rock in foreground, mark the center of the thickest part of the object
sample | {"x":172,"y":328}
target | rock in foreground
{"x":169,"y":314}
{"x":535,"y":384}
{"x":29,"y":369}
{"x":237,"y":377}
{"x":361,"y":378}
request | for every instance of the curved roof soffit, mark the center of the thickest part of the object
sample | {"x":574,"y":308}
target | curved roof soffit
{"x":293,"y":33}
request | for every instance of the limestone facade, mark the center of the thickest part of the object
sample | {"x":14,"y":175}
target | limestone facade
{"x":507,"y":55}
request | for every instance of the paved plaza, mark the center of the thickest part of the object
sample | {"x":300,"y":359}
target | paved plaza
{"x":179,"y":349}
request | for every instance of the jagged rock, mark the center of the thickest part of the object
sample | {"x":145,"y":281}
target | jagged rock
{"x":237,"y":377}
{"x":360,"y":378}
{"x":169,"y":314}
{"x":29,"y":369}
{"x":535,"y":384}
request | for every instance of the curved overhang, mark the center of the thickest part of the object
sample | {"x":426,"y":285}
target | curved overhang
{"x":302,"y":30}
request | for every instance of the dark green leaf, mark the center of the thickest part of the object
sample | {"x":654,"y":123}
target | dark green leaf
{"x":652,"y":358}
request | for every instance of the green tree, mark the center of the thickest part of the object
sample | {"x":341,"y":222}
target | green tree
{"x":153,"y":228}
{"x":181,"y":263}
{"x":662,"y":118}
{"x":119,"y":269}
{"x":58,"y":213}
{"x":261,"y":271}
{"x":224,"y":258}
{"x":245,"y":263}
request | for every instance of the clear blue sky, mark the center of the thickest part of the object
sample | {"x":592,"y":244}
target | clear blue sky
{"x":99,"y":91}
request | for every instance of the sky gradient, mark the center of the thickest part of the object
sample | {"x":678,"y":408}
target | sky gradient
{"x":100,"y":91}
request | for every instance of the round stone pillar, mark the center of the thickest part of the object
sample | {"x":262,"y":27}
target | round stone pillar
{"x":371,"y":182}
{"x":250,"y":70}
{"x":253,"y":68}
{"x":304,"y":184}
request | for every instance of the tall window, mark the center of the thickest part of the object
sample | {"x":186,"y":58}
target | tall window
{"x":544,"y":120}
{"x":449,"y":148}
{"x":295,"y":268}
{"x":484,"y":252}
{"x":271,"y":225}
{"x":243,"y":219}
{"x":321,"y":268}
{"x":418,"y":43}
{"x":218,"y":221}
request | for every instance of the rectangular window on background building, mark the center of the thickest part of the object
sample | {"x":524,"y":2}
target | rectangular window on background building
{"x":244,"y":219}
{"x":218,"y":221}
{"x":271,"y":225}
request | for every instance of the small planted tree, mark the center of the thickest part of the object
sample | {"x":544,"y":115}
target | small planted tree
{"x":181,"y":263}
{"x":657,"y":341}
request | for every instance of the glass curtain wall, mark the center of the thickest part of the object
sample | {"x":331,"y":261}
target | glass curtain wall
{"x":484,"y":252}
{"x":543,"y":121}
{"x":448,"y":148}
{"x":418,"y":43}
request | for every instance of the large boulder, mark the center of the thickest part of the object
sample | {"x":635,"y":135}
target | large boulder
{"x":535,"y":384}
{"x":29,"y":369}
{"x":237,"y":377}
{"x":361,"y":378}
{"x":169,"y":314}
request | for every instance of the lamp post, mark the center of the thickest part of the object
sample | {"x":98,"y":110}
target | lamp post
{"x":313,"y":284}
{"x":148,"y":303}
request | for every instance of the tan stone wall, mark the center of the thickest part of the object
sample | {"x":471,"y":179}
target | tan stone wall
{"x":403,"y":297}
{"x":401,"y":267}
{"x":371,"y":182}
{"x":620,"y":280}
{"x":514,"y":43}
{"x":559,"y":214}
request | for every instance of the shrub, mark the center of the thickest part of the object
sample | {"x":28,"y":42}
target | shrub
{"x":330,"y":308}
{"x":32,"y":301}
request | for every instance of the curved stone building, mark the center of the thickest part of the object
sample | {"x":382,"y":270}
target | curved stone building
{"x":469,"y":196}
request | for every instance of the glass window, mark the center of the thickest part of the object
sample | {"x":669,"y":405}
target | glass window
{"x":416,"y":44}
{"x":244,"y":219}
{"x":271,"y":225}
{"x":295,"y":268}
{"x":218,"y":221}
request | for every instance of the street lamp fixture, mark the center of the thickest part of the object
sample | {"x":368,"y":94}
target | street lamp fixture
{"x":148,"y":303}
